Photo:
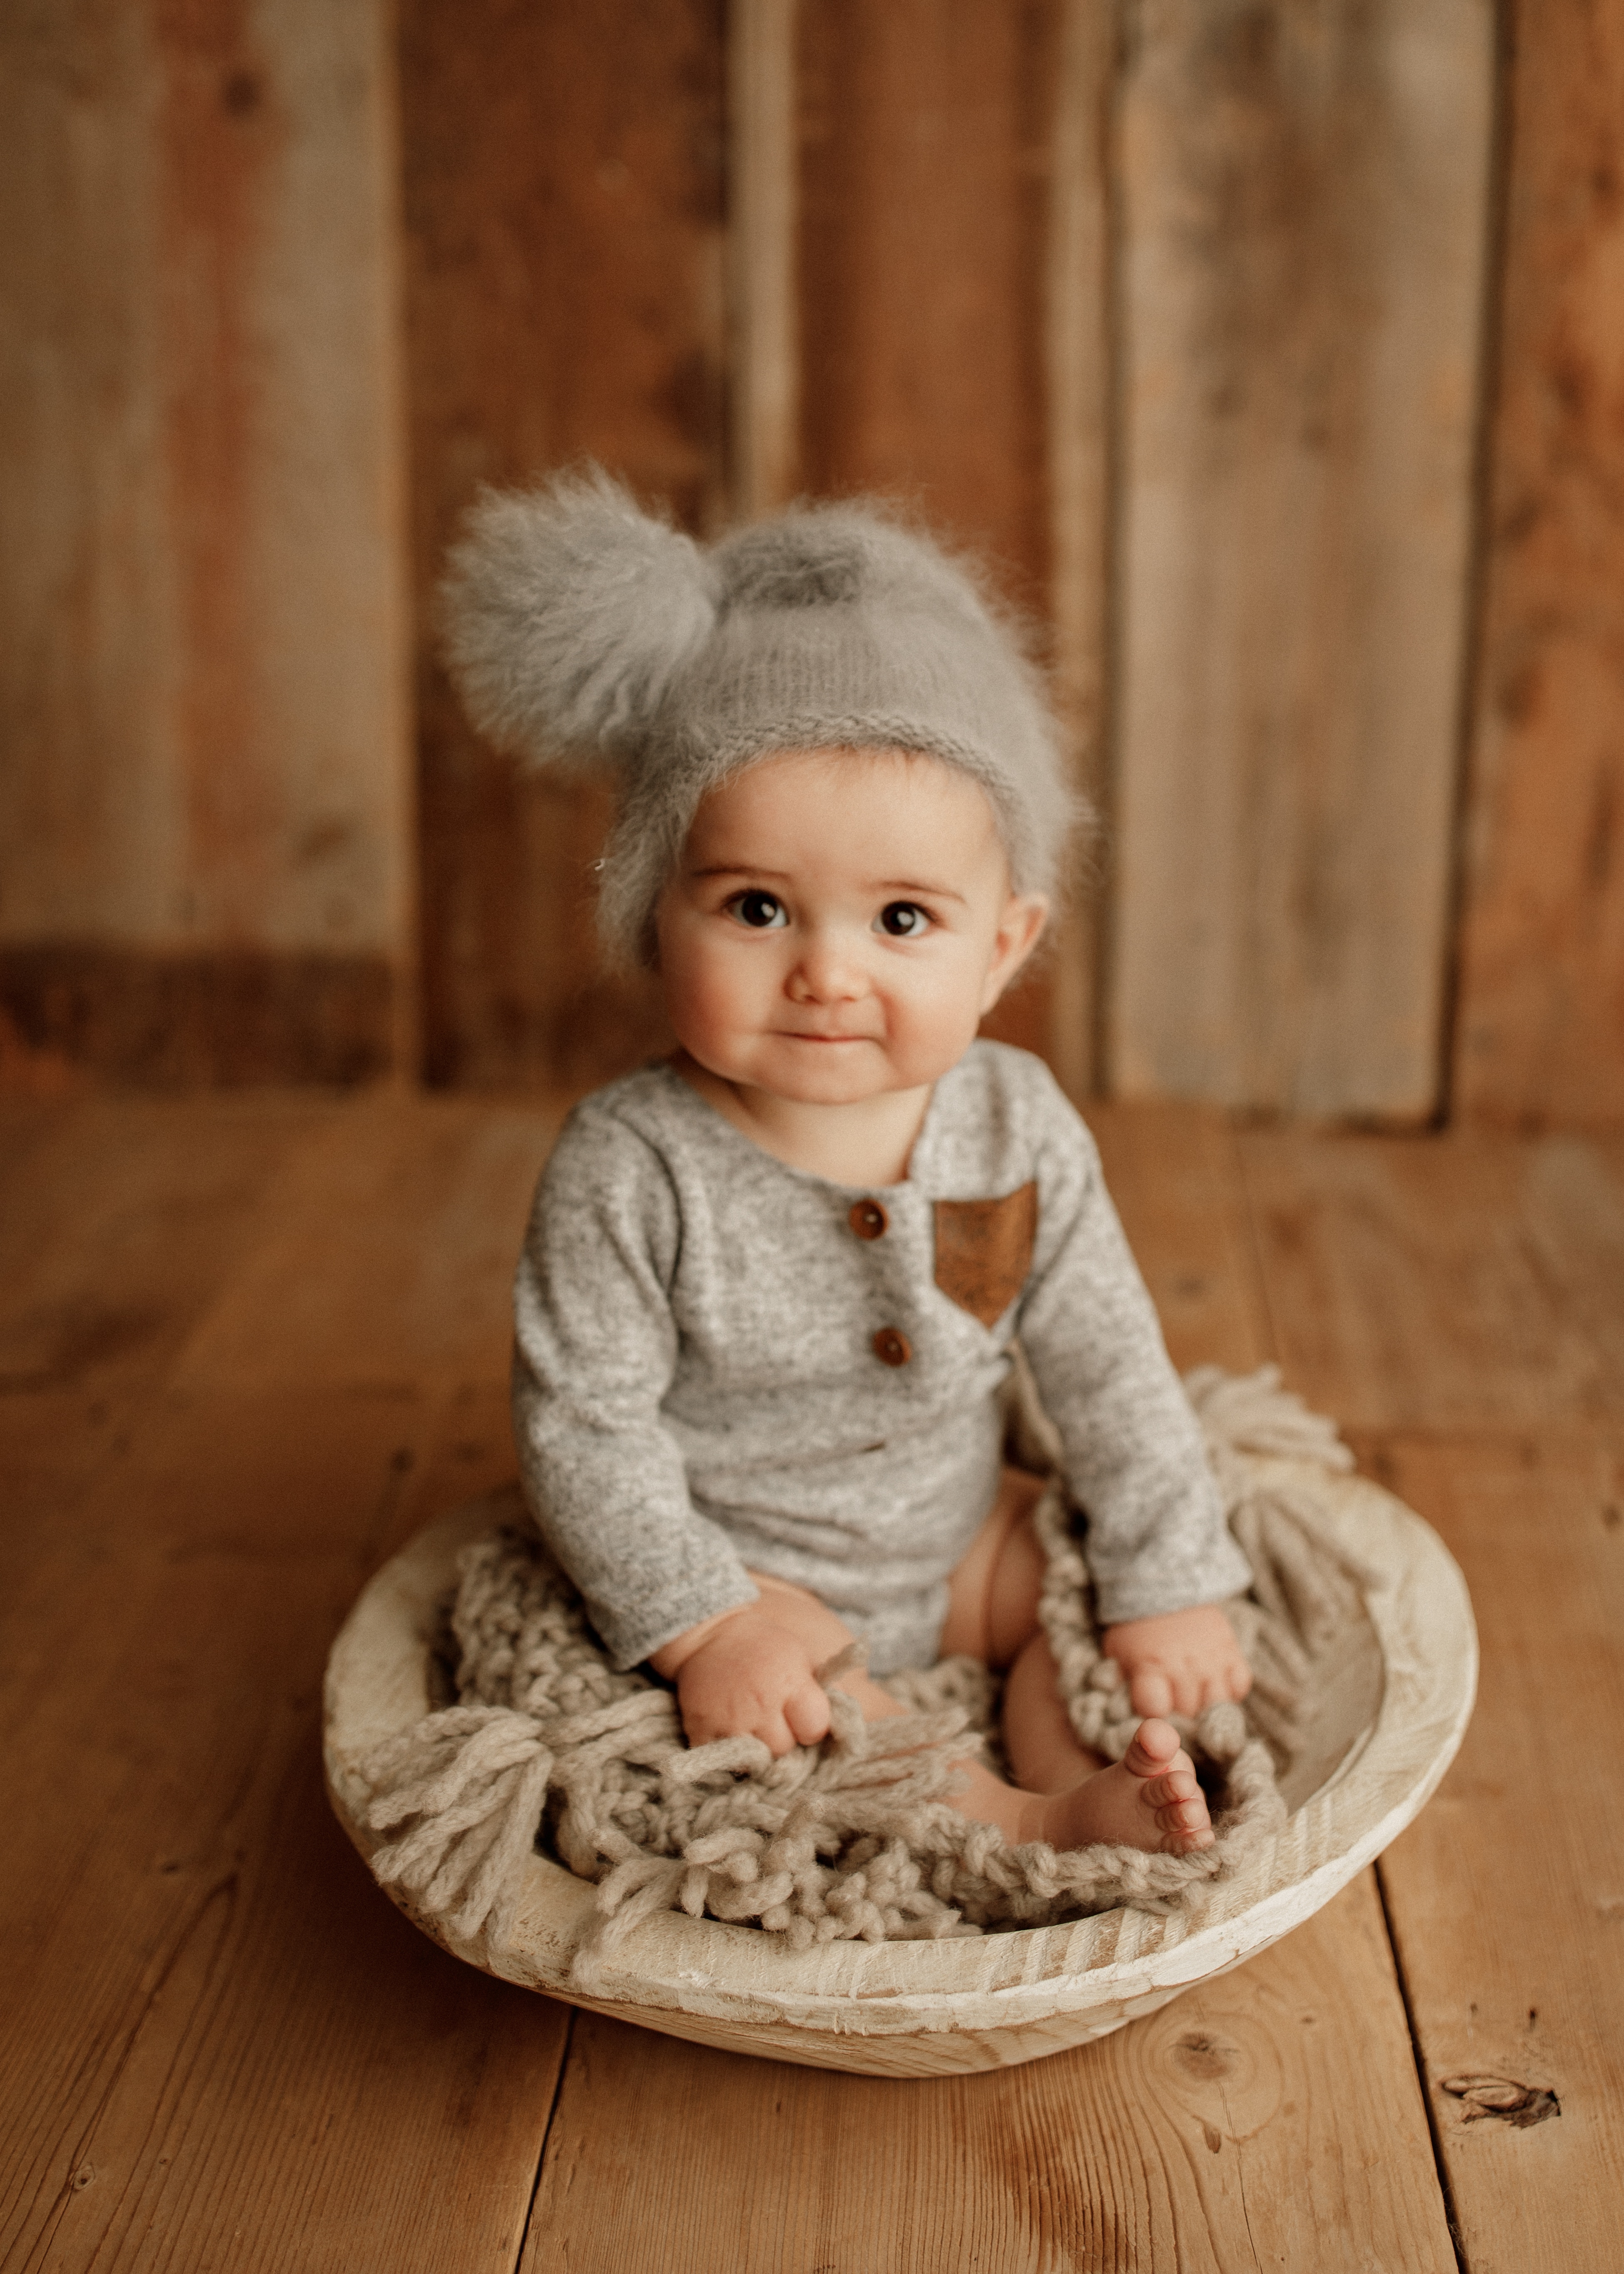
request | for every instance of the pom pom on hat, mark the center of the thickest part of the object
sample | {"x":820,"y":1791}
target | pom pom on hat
{"x":568,"y":611}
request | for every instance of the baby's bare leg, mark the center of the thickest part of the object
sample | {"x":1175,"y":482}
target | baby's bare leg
{"x":1063,"y":1793}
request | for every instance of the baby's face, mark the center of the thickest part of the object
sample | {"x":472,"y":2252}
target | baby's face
{"x":838,"y":924}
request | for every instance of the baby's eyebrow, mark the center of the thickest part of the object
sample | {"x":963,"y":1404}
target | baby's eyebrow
{"x":877,"y":884}
{"x":913,"y":885}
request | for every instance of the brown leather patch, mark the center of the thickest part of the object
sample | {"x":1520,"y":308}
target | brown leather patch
{"x":984,"y":1251}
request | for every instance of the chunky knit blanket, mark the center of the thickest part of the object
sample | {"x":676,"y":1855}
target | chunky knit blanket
{"x":540,"y":1742}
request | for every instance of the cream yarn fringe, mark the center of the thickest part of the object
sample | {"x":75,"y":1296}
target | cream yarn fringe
{"x":855,"y":1837}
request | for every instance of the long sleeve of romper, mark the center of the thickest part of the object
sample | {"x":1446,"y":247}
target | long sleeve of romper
{"x":1134,"y":1457}
{"x":594,"y":1353}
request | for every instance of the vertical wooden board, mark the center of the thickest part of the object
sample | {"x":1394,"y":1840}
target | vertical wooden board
{"x":925,"y":138}
{"x":1540,"y":1034}
{"x":564,"y":200}
{"x":1304,"y":202}
{"x":1443,"y":1283}
{"x":222,"y":2046}
{"x":1269,"y":2119}
{"x":1078,"y":406}
{"x":1506,"y":1895}
{"x":764,"y":343}
{"x":203,"y":663}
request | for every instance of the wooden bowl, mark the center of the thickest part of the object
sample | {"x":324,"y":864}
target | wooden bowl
{"x":1389,"y":1710}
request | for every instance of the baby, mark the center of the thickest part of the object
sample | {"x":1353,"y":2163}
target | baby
{"x":771,"y":1288}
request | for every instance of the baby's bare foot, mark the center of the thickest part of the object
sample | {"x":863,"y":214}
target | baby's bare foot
{"x":1149,"y":1799}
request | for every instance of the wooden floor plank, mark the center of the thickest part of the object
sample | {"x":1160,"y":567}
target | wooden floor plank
{"x":1444,"y":1283}
{"x":1268,"y":2119}
{"x":121,"y":1221}
{"x":385,"y":1253}
{"x":1506,"y":1894}
{"x":1175,"y":1175}
{"x":223,"y":2045}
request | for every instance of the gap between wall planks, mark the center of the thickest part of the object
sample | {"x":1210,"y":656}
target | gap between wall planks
{"x":1540,"y":1024}
{"x":1304,"y":196}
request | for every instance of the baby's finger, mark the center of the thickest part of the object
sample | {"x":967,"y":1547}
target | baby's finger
{"x":807,"y":1713}
{"x":774,"y":1732}
{"x":1151,"y":1692}
{"x":1240,"y":1680}
{"x":1189,"y":1694}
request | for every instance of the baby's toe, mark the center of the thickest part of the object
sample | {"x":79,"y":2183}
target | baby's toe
{"x":1180,"y":1843}
{"x":1177,"y":1784}
{"x":1154,"y":1749}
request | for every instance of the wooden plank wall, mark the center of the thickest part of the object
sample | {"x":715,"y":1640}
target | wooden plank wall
{"x":1268,"y":347}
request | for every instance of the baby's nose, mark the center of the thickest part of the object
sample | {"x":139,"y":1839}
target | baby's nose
{"x":826,"y":970}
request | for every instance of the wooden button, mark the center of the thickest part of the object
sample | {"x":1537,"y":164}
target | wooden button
{"x":867,"y":1219}
{"x":892,"y":1348}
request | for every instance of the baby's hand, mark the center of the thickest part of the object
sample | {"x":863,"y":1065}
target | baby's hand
{"x":746,"y":1676}
{"x":1179,"y":1662}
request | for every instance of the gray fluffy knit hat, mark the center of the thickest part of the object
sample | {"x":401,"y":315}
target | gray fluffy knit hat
{"x":581,"y":628}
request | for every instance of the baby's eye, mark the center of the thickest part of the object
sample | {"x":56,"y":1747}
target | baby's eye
{"x":904,"y":920}
{"x":761,"y":911}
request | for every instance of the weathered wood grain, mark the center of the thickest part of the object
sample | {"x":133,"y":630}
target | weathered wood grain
{"x":763,"y":345}
{"x":564,"y":224}
{"x":1507,"y":1897}
{"x":1174,"y":1174}
{"x":125,"y":1219}
{"x":203,"y":643}
{"x":1077,"y":428}
{"x":1240,"y":2128}
{"x":218,"y":2048}
{"x":1540,"y":1032}
{"x":415,"y":1290}
{"x":1461,"y":1282}
{"x":1301,"y":220}
{"x":926,"y":140}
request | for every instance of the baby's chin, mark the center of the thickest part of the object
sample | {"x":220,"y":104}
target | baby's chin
{"x":847,"y":1073}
